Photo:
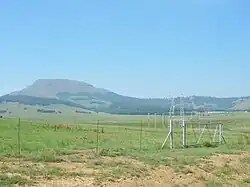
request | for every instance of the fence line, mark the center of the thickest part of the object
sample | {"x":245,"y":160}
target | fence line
{"x":179,"y":135}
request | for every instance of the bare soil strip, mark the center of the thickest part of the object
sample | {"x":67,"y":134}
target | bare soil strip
{"x":80,"y":170}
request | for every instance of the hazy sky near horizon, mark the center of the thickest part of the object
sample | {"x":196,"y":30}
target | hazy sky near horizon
{"x":145,"y":48}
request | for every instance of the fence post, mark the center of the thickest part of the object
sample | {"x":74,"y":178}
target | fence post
{"x":155,"y":120}
{"x":184,"y":134}
{"x":97,"y":137}
{"x":171,"y":134}
{"x":140,"y":135}
{"x":162,"y":122}
{"x":19,"y":139}
{"x":148,"y":120}
{"x":220,"y":133}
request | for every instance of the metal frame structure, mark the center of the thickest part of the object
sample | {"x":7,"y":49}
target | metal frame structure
{"x":170,"y":133}
{"x":196,"y":132}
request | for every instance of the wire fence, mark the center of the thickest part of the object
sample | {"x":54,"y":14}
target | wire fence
{"x":32,"y":136}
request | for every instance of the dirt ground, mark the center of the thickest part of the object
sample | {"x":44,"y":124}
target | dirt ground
{"x":217,"y":170}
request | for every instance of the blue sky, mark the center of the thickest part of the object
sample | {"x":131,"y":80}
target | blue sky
{"x":138,"y":48}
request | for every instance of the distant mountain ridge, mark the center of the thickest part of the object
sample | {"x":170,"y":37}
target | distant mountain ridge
{"x":83,"y":95}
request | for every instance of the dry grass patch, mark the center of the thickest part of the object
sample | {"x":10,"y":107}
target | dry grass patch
{"x":93,"y":170}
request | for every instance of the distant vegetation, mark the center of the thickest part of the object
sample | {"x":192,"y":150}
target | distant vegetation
{"x":128,"y":105}
{"x":46,"y":111}
{"x":3,"y":111}
{"x":84,"y":96}
{"x":97,"y":102}
{"x":32,"y":100}
{"x":83,"y":112}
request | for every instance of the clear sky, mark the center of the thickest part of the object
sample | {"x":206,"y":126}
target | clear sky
{"x":145,"y":48}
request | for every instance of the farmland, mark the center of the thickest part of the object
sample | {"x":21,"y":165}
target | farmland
{"x":126,"y":153}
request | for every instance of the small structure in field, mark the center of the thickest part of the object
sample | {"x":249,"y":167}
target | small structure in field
{"x":192,"y":133}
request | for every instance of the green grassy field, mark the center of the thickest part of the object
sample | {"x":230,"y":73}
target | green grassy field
{"x":125,"y":153}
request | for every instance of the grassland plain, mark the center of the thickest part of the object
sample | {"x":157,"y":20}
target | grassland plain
{"x":122,"y":154}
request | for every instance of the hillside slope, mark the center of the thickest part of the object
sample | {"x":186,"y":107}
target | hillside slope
{"x":242,"y":104}
{"x":49,"y":88}
{"x":83,"y":95}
